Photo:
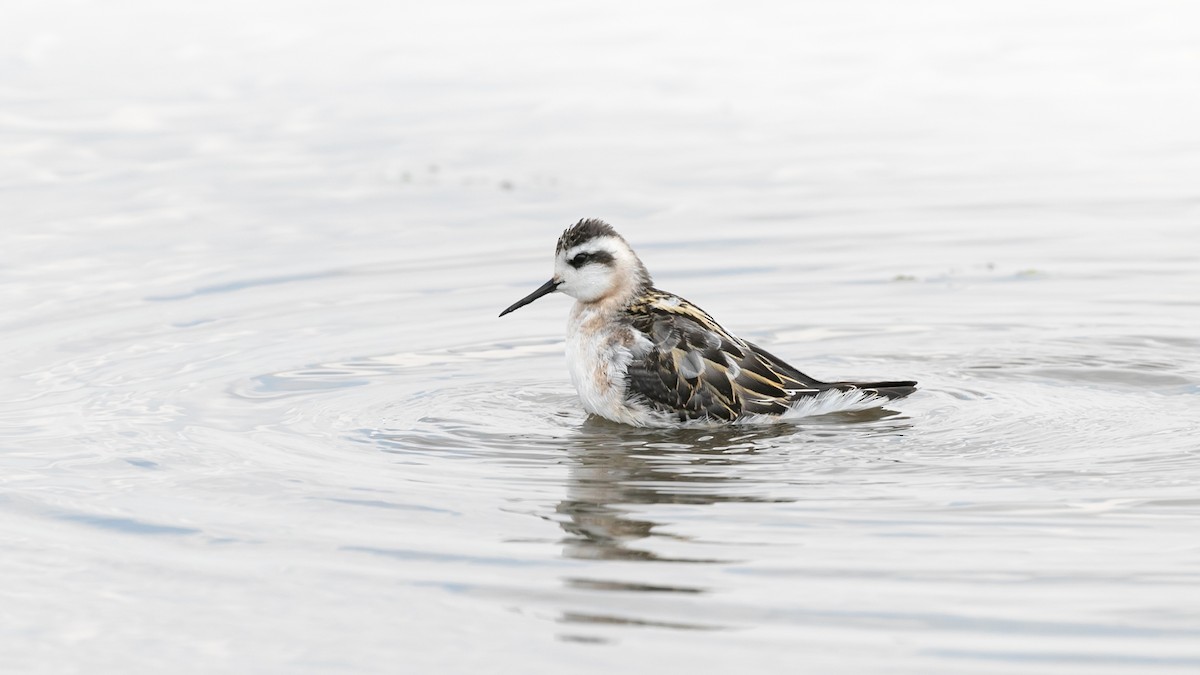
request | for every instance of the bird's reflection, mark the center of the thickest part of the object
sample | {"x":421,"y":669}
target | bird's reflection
{"x":615,"y":468}
{"x":618,"y":472}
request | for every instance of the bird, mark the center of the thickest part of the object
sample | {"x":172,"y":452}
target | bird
{"x":644,"y":357}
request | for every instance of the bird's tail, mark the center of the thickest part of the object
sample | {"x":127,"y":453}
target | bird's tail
{"x":897,"y":389}
{"x":812,"y":386}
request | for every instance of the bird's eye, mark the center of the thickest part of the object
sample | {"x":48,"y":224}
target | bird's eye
{"x":579,"y":260}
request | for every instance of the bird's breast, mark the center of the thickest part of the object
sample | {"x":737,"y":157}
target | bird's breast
{"x":599,"y":348}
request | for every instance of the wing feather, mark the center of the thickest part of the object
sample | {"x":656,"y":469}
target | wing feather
{"x":694,"y":368}
{"x":689,"y":367}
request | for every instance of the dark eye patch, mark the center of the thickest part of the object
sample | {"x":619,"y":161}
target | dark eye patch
{"x":581,"y":259}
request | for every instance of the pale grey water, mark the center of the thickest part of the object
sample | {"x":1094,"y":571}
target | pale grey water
{"x":257,"y":413}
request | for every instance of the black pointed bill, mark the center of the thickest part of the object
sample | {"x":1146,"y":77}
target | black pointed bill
{"x":546,"y":289}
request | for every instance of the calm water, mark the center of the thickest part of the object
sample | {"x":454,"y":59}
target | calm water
{"x":257,"y":413}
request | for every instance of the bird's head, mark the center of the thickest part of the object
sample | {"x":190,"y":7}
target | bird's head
{"x":592,"y":263}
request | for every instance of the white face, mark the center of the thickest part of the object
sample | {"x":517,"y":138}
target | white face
{"x":592,"y":270}
{"x":601,"y":268}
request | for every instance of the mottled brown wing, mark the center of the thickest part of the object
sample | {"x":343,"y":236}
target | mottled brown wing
{"x":695,"y":369}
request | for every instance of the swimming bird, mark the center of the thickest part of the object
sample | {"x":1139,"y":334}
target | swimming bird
{"x":644,"y":357}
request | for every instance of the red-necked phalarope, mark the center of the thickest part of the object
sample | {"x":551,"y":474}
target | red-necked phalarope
{"x":645,"y":357}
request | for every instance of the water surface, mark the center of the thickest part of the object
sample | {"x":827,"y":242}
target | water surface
{"x":257,"y":412}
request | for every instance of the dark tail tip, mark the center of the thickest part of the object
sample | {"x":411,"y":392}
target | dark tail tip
{"x":897,"y":389}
